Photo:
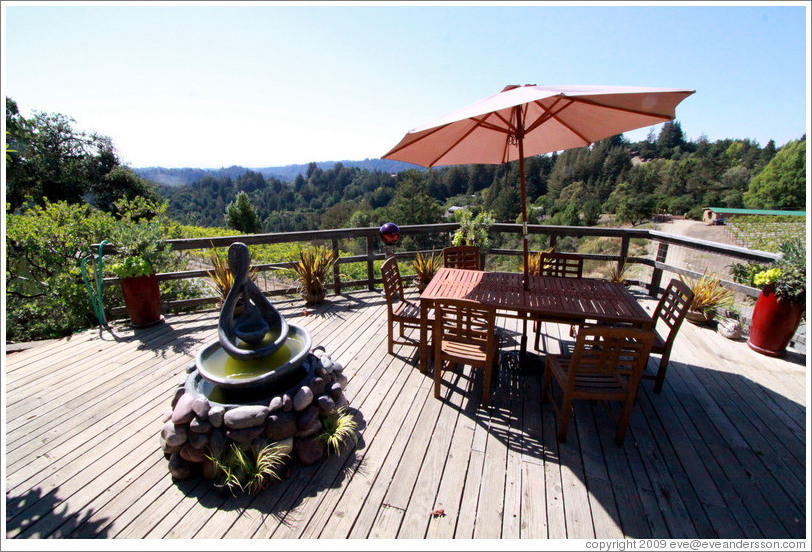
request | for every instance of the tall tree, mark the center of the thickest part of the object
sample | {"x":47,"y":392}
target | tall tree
{"x":242,"y":216}
{"x":782,"y":183}
{"x":53,"y":159}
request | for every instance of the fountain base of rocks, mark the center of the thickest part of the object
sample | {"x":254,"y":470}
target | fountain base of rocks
{"x":260,"y":385}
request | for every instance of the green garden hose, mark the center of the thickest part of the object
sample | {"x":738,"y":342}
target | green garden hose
{"x":96,"y":295}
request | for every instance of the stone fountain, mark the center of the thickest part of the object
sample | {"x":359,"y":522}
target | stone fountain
{"x":260,"y":383}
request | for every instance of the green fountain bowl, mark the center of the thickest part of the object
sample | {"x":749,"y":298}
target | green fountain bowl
{"x":262,"y":375}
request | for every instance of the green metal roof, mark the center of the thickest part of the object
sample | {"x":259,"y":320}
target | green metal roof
{"x":756,"y":212}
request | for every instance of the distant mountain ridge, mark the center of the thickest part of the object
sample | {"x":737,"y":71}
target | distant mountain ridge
{"x":286,"y":173}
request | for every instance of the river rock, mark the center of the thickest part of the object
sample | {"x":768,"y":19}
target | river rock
{"x":275,"y":404}
{"x":216,"y":414}
{"x":201,"y":407}
{"x":190,"y":367}
{"x":317,"y":386}
{"x":312,"y":429}
{"x":245,"y":435}
{"x":302,"y":399}
{"x":179,"y":391}
{"x":167,"y":449}
{"x":340,"y":378}
{"x":327,"y":364}
{"x":217,"y":442}
{"x":287,"y":403}
{"x":174,"y":434}
{"x":200,"y":426}
{"x":183,"y":413}
{"x":167,"y":415}
{"x":306,"y":416}
{"x":309,"y":451}
{"x":281,"y":425}
{"x":245,"y":416}
{"x":198,"y":440}
{"x":208,"y":469}
{"x":335,"y":391}
{"x":180,"y":468}
{"x":338,"y":367}
{"x":191,"y":454}
{"x":326,"y":404}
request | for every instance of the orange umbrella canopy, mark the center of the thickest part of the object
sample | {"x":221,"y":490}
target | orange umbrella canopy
{"x":544,"y":118}
{"x":523,"y":121}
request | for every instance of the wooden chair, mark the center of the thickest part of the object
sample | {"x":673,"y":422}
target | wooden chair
{"x":606,"y":364}
{"x":463,"y":256}
{"x":561,"y":265}
{"x":671,"y":309}
{"x":399,"y":310}
{"x":464,"y":333}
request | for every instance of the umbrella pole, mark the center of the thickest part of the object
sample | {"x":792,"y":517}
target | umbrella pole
{"x":524,"y":211}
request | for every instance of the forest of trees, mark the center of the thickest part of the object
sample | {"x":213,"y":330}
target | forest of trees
{"x":665,"y":172}
{"x":632,"y":180}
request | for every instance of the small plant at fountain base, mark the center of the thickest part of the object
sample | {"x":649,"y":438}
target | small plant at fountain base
{"x":238,"y":469}
{"x":338,"y":429}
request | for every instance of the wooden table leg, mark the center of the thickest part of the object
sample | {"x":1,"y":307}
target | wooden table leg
{"x":424,"y":336}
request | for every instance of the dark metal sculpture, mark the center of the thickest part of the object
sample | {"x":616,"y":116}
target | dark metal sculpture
{"x":258,"y":318}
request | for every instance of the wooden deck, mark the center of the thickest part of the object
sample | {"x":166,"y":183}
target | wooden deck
{"x":720,"y":453}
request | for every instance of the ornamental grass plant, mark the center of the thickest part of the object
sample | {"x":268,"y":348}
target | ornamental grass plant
{"x":312,"y":269}
{"x":709,"y":294}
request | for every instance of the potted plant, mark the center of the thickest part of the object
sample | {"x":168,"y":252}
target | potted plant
{"x":473,"y":230}
{"x":312,"y":268}
{"x":781,"y":304}
{"x":140,"y":247}
{"x":709,"y":295}
{"x":425,"y":266}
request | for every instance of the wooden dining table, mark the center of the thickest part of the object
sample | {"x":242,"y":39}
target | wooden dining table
{"x":568,"y":300}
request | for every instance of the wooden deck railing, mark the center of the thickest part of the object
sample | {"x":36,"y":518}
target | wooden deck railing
{"x":375,"y":251}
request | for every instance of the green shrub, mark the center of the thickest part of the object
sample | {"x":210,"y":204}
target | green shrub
{"x":45,"y":293}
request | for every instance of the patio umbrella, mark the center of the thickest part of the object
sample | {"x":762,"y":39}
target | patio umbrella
{"x":523,"y":121}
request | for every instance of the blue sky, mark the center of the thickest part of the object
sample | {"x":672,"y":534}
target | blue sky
{"x":258,"y":85}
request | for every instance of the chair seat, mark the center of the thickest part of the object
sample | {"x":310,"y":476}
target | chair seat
{"x":610,"y":386}
{"x":406,"y":309}
{"x":658,"y":347}
{"x":464,"y":352}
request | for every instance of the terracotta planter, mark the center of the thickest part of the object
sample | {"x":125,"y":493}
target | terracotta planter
{"x":698,"y":317}
{"x":312,"y":298}
{"x":774,"y":323}
{"x":143,"y":300}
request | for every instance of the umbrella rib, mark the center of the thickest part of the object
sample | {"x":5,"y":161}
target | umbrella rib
{"x":548,"y":114}
{"x":479,"y":123}
{"x":624,"y":109}
{"x":404,"y":146}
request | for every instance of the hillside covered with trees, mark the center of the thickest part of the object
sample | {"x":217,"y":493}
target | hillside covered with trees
{"x":631,"y":180}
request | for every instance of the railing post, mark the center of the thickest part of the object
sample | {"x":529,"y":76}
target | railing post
{"x":624,"y":252}
{"x":336,"y":269}
{"x":370,"y":265}
{"x":552,"y":241}
{"x":657,"y":275}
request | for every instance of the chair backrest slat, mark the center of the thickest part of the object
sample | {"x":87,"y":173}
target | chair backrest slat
{"x":673,"y":305}
{"x":463,"y":320}
{"x":563,"y":265}
{"x":463,"y":256}
{"x":392,"y":283}
{"x":607,"y":349}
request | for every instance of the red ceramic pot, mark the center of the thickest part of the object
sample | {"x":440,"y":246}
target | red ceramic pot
{"x":143,"y":299}
{"x":774,"y":323}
